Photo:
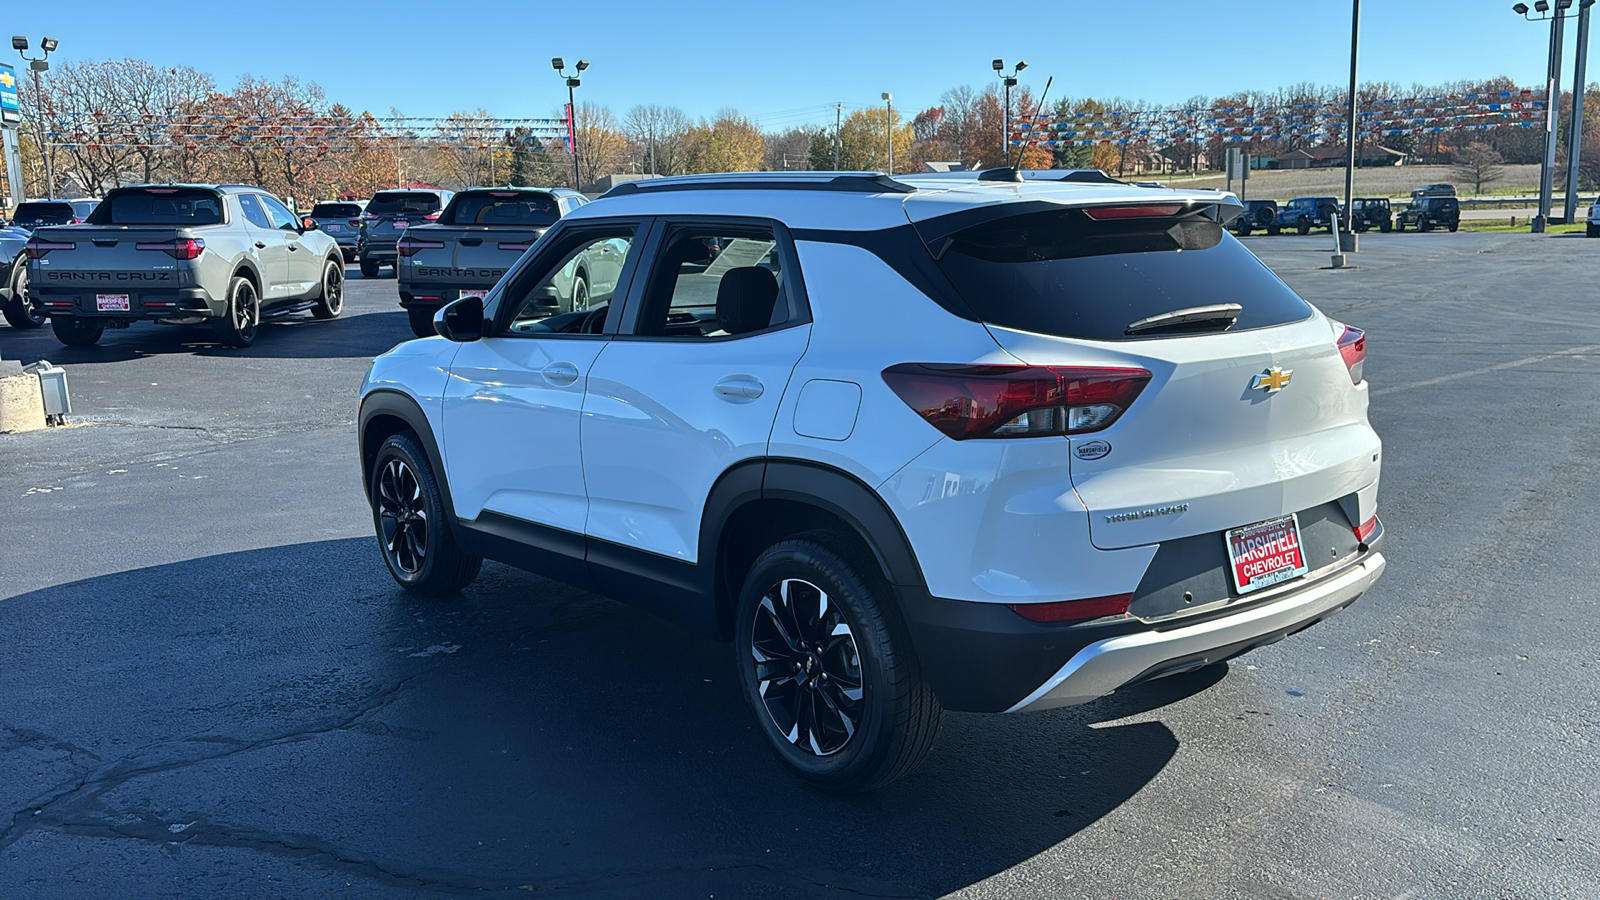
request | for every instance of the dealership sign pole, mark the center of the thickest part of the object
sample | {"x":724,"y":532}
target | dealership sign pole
{"x":10,"y":117}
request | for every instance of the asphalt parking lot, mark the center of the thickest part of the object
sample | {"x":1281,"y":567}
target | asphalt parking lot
{"x":209,"y":685}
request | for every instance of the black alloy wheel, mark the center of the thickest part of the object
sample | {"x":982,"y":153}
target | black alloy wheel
{"x":331,"y":303}
{"x":402,"y":517}
{"x":24,"y":311}
{"x":410,"y":518}
{"x":238,"y":326}
{"x":807,"y":666}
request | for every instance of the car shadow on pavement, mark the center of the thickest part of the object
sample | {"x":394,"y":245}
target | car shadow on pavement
{"x":291,"y":707}
{"x":296,"y":336}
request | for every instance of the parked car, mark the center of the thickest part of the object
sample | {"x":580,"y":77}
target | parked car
{"x":1592,"y":223}
{"x":1258,"y":215}
{"x":226,"y":254}
{"x":1426,"y":213}
{"x":1305,"y":213}
{"x":387,"y":216}
{"x":908,"y":443}
{"x":31,"y":214}
{"x":1437,"y":189}
{"x":476,"y":238}
{"x":19,"y":309}
{"x":1367,"y":213}
{"x":341,"y":220}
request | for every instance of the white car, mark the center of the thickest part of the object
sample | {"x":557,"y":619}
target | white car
{"x":909,"y":444}
{"x":1592,"y":225}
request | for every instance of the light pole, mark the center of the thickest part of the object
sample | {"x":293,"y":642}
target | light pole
{"x":560,"y":65}
{"x":888,"y":100}
{"x":1009,"y":81}
{"x":39,"y":65}
{"x":1553,"y":106}
{"x":1575,"y":131}
{"x":1347,"y":239}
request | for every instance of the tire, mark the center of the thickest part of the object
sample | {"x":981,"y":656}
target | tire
{"x":580,"y":292}
{"x":818,"y":680}
{"x":369,"y":268}
{"x":1454,"y":226}
{"x":1591,"y":231}
{"x":1424,"y":226}
{"x":76,"y":332}
{"x":1303,"y":226}
{"x":242,"y":318}
{"x":1385,"y":227}
{"x":1400,"y":226}
{"x":409,"y":516}
{"x":1273,"y":230}
{"x":1243,"y":230}
{"x":421,"y":322}
{"x":331,"y":303}
{"x":22,"y":312}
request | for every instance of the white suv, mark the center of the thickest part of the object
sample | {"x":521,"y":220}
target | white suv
{"x":910,"y":444}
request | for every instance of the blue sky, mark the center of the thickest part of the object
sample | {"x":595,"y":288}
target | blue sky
{"x":786,"y":68}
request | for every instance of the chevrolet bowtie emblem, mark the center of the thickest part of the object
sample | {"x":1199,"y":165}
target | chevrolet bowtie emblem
{"x":1272,"y":380}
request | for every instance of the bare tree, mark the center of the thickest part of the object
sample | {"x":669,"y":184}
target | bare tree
{"x":1477,"y":165}
{"x":658,"y":132}
{"x":790,"y":149}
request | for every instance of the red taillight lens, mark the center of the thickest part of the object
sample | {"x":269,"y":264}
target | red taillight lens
{"x":515,"y":246}
{"x":1073,"y":610}
{"x":433,"y":216}
{"x":1015,"y":401}
{"x":1102,"y":213}
{"x":186,"y":248}
{"x":36,"y":249}
{"x":355,"y":223}
{"x":1353,"y":347}
{"x":75,"y":222}
{"x":1366,"y":529}
{"x":410,"y":246}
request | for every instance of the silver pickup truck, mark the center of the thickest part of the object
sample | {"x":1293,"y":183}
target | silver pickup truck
{"x":475,"y":240}
{"x":228,"y":254}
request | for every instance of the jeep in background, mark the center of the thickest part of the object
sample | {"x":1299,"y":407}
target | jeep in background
{"x":477,"y":237}
{"x":1258,"y":215}
{"x":340,"y":220}
{"x":387,"y":216}
{"x":1426,"y":213}
{"x":183,"y":254}
{"x":1305,"y":213}
{"x":1370,"y":212}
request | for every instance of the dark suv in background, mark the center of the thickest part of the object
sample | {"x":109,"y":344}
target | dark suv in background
{"x":387,"y":216}
{"x":1258,"y":215}
{"x":1428,"y":213}
{"x":31,"y":214}
{"x":1370,"y":212}
{"x":340,"y":220}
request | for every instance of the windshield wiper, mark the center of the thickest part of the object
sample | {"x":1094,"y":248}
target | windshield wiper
{"x":1217,"y":312}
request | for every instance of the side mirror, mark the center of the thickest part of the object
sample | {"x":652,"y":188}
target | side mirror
{"x":461,"y":321}
{"x":309,"y":225}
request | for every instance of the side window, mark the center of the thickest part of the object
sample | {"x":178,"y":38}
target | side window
{"x":280,"y":215}
{"x":715,"y":281}
{"x":575,"y":296}
{"x":253,"y":212}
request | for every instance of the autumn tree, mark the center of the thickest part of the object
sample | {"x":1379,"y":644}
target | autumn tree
{"x":729,"y":143}
{"x":1477,"y":165}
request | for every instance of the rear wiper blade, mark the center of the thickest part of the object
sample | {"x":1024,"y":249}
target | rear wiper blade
{"x":1217,"y":312}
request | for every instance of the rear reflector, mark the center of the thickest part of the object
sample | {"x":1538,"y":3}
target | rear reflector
{"x":1015,"y":401}
{"x":1101,"y":213}
{"x":1365,"y":530}
{"x":37,"y":248}
{"x":185,"y":248}
{"x":1073,"y":610}
{"x":1353,"y":347}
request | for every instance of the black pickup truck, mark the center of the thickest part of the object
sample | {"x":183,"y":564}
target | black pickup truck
{"x":475,"y":240}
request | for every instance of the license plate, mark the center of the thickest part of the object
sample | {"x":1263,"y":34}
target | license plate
{"x":473,"y":294}
{"x":332,"y":228}
{"x":1266,"y":553}
{"x":401,"y":225}
{"x":112,"y":303}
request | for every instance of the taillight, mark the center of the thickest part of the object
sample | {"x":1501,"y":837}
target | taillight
{"x":1353,"y":347}
{"x":1365,"y":530}
{"x":515,"y":246}
{"x":966,"y":401}
{"x":183,"y":248}
{"x":433,"y":216}
{"x":355,"y":223}
{"x":1073,"y":610}
{"x":409,"y":246}
{"x":36,"y":249}
{"x":75,"y":222}
{"x":1101,"y":213}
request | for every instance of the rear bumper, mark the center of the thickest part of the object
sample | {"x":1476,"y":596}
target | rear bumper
{"x":1111,"y":663}
{"x":176,"y":304}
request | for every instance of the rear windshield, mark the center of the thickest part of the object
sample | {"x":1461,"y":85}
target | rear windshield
{"x":335,"y":210}
{"x":43,"y":212}
{"x":159,"y":206}
{"x":1062,"y":273}
{"x":389,"y":203}
{"x":532,"y":208}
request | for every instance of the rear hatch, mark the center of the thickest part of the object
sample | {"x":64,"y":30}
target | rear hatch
{"x":1250,"y":411}
{"x":341,"y":221}
{"x":478,"y":237}
{"x":390,"y":213}
{"x":40,"y":214}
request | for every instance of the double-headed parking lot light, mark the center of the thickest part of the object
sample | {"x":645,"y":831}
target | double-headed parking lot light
{"x":49,"y":44}
{"x":19,"y":43}
{"x":583,"y":64}
{"x":560,"y":65}
{"x":38,"y":64}
{"x":1009,"y":81}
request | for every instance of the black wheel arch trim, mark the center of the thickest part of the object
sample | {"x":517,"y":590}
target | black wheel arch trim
{"x":385,"y":402}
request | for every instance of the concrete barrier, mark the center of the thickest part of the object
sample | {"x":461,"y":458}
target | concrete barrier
{"x":21,"y":402}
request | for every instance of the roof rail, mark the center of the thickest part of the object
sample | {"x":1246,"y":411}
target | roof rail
{"x":1012,"y":174}
{"x":847,"y":182}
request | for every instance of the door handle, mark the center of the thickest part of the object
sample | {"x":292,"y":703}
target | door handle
{"x":560,"y":374}
{"x":260,"y":246}
{"x":739,"y":388}
{"x":293,"y":246}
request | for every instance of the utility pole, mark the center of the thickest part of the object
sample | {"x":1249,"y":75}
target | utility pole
{"x":838,"y":132}
{"x":1347,"y":240}
{"x":1552,"y":115}
{"x":1575,"y":131}
{"x":888,"y":99}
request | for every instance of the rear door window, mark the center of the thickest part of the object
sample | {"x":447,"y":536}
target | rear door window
{"x":335,"y":211}
{"x":535,"y":209}
{"x":160,"y":206}
{"x":1063,"y":273}
{"x":393,"y":203}
{"x":43,"y":212}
